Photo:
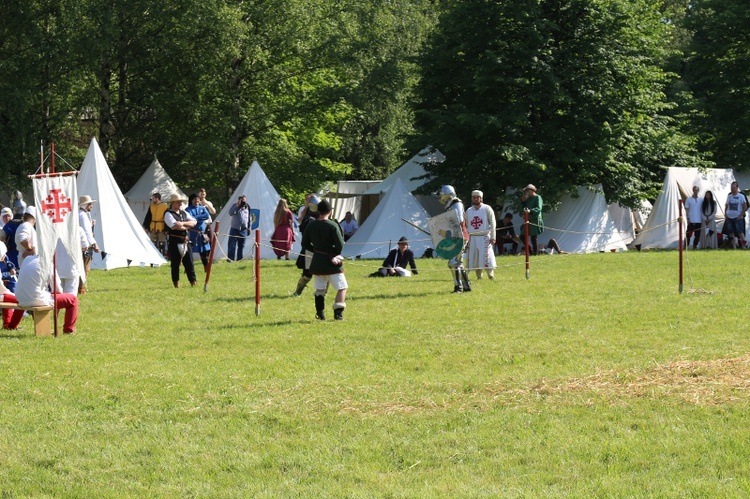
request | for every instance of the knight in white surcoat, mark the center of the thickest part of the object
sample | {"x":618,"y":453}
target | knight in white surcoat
{"x":481,"y":226}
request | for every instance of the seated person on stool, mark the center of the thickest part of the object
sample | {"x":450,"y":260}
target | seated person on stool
{"x":506,"y":234}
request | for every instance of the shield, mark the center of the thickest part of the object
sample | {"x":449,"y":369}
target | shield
{"x":446,"y":234}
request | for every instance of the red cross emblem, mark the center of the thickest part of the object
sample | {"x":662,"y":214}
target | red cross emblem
{"x":57,"y":205}
{"x":476,"y":222}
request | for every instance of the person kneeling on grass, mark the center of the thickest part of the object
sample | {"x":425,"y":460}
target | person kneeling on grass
{"x":323,"y":238}
{"x":395,"y":263}
{"x":32,"y":290}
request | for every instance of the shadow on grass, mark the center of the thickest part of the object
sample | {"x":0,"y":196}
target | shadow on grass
{"x":15,"y":335}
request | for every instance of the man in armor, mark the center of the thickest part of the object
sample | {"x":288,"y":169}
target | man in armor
{"x":460,"y":278}
{"x":480,"y":223}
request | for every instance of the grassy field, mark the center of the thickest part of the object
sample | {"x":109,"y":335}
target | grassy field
{"x":595,"y":377}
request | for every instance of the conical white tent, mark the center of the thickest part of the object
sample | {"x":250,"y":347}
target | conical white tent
{"x":584,"y":224}
{"x":661,"y":229}
{"x":261,"y":195}
{"x":384,"y":227}
{"x":118,"y":233}
{"x":154,"y":179}
{"x":412,"y":173}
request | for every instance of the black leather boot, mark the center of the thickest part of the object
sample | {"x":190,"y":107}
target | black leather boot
{"x":320,"y":306}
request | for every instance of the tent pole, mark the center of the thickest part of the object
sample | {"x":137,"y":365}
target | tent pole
{"x":679,"y":220}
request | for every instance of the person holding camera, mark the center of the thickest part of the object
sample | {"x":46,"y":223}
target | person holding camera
{"x":240,"y":213}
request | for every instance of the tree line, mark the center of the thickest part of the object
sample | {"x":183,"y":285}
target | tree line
{"x":558,"y":93}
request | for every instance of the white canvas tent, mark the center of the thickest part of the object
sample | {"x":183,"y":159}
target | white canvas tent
{"x":154,"y":179}
{"x":410,"y":173}
{"x":348,"y":198}
{"x":584,"y":224}
{"x":118,"y":233}
{"x":261,"y":195}
{"x":661,"y":229}
{"x":384,"y":227}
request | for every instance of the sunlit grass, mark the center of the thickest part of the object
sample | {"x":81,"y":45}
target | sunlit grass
{"x":594,"y":377}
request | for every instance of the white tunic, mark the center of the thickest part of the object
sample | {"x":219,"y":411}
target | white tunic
{"x":480,"y":222}
{"x":25,"y":232}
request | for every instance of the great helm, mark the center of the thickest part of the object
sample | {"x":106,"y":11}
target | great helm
{"x":313,"y":202}
{"x":446,"y":193}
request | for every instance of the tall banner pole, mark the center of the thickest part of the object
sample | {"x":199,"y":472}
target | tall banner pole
{"x":214,"y":240}
{"x":679,"y":219}
{"x":526,"y":240}
{"x":257,"y":272}
{"x":54,"y":255}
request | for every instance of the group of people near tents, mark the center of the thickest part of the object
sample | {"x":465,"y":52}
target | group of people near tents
{"x":701,"y":210}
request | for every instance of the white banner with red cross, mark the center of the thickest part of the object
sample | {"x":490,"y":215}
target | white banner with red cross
{"x":57,"y":228}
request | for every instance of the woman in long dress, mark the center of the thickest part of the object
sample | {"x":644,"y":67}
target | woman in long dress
{"x":283,"y":235}
{"x":708,"y":221}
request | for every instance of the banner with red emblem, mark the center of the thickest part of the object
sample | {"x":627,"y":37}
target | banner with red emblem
{"x":57,"y":228}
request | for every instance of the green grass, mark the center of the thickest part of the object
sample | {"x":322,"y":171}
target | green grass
{"x":595,"y":377}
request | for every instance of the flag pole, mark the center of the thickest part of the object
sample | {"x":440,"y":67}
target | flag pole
{"x":54,"y":255}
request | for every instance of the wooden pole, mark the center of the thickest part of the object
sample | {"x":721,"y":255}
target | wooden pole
{"x":680,"y":243}
{"x":54,"y":256}
{"x":526,"y":241}
{"x":214,"y":240}
{"x":257,"y":272}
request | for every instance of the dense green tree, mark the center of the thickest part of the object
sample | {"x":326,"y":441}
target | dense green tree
{"x":718,"y":74}
{"x":38,"y":80}
{"x":378,"y":45}
{"x":559,"y":93}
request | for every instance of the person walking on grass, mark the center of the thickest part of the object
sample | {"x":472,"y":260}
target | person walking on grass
{"x":323,"y":238}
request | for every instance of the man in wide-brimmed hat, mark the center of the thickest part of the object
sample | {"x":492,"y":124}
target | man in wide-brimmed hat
{"x":395,"y":263}
{"x":179,"y":222}
{"x":532,"y":204}
{"x":88,"y":243}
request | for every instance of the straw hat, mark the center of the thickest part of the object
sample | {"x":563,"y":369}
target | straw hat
{"x":176,"y":197}
{"x":84,"y":200}
{"x":530,"y":187}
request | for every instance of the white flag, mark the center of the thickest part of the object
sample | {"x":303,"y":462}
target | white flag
{"x":56,"y":198}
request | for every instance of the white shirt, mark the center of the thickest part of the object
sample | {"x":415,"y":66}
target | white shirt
{"x":693,"y":209}
{"x":734,"y":206}
{"x":32,"y":289}
{"x":25,"y":232}
{"x":349,"y":228}
{"x":84,"y":220}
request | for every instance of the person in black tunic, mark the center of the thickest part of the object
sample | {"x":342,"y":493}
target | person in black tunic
{"x":323,"y":238}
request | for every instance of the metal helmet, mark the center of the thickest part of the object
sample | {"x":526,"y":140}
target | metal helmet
{"x":446,"y":193}
{"x":312,"y":203}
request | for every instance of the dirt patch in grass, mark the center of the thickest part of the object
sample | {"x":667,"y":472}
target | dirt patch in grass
{"x":701,"y":382}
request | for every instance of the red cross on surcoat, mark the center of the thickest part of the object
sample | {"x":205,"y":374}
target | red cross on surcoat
{"x":56,"y":205}
{"x":476,"y":222}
